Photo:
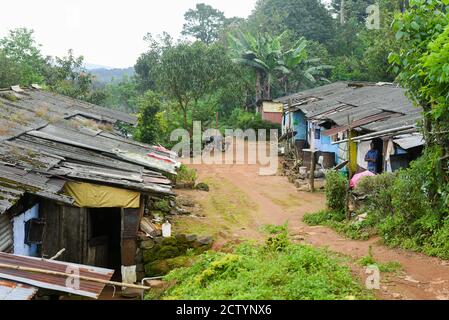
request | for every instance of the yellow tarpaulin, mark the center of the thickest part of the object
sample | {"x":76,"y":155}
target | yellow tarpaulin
{"x":89,"y":195}
{"x":273,"y":107}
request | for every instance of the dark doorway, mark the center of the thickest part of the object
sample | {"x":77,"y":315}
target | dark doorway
{"x":379,"y":146}
{"x":104,"y":249}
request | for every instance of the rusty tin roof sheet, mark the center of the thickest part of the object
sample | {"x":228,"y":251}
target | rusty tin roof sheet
{"x":16,"y":291}
{"x":54,"y":282}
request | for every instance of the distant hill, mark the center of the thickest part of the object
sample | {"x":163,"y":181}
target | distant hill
{"x":92,"y":66}
{"x":104,"y":75}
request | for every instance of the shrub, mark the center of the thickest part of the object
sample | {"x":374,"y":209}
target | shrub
{"x":321,"y":217}
{"x":337,"y":221}
{"x":336,"y":187}
{"x":402,"y":208}
{"x":162,"y":205}
{"x":186,"y":176}
{"x":240,"y":119}
{"x":378,"y":190}
{"x":250,"y":272}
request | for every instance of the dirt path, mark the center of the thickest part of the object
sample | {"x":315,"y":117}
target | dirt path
{"x":273,"y":200}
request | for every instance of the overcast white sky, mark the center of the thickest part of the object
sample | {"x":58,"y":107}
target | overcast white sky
{"x":105,"y":32}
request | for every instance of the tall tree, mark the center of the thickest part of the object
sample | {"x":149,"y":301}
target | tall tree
{"x":9,"y":71}
{"x":305,"y":18}
{"x":423,"y":64}
{"x":188,"y":72}
{"x":68,"y":76}
{"x":203,"y":23}
{"x":19,"y":46}
{"x":147,"y":64}
{"x":147,"y":123}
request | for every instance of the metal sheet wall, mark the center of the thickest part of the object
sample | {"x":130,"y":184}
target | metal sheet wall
{"x":6,"y":236}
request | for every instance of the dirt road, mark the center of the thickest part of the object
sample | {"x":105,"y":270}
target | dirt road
{"x":240,"y":202}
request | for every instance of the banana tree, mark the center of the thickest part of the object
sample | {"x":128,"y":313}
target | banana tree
{"x":269,"y":60}
{"x":295,"y":65}
{"x":261,"y":53}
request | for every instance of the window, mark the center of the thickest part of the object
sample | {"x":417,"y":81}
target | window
{"x":317,"y":134}
{"x":34,"y":231}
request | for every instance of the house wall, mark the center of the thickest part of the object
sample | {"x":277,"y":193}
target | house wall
{"x":324,"y":143}
{"x":20,"y":247}
{"x":274,"y":117}
{"x":297,"y":121}
{"x":65,"y":227}
{"x":71,"y":228}
{"x":299,"y":125}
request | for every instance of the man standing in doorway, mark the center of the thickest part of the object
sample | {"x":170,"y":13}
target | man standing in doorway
{"x":372,"y":157}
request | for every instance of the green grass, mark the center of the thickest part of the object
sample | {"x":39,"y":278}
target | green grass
{"x":274,"y":271}
{"x":390,"y":266}
{"x":362,"y":230}
{"x":225,"y":208}
{"x":273,"y":229}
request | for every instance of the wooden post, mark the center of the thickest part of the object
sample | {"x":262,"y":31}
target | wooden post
{"x":289,"y":127}
{"x":348,"y":189}
{"x":216,"y":121}
{"x":312,"y":159}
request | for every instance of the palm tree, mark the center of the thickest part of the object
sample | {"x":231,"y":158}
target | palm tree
{"x":268,"y":58}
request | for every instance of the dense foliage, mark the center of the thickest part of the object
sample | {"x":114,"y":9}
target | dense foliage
{"x":224,"y":65}
{"x":277,"y":270}
{"x":423,"y":66}
{"x":399,"y":208}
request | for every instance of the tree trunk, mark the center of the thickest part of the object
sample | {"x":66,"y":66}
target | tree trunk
{"x":258,"y":85}
{"x":285,"y":85}
{"x":268,"y":87}
{"x":342,"y":12}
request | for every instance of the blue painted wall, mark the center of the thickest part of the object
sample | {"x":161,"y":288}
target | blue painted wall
{"x":20,"y":247}
{"x":298,"y":122}
{"x":300,"y":125}
{"x":324,"y":143}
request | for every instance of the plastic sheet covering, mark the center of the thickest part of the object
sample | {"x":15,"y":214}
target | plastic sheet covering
{"x":129,"y":274}
{"x":89,"y":195}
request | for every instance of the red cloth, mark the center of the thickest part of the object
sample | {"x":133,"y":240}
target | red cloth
{"x":356,"y":178}
{"x":165,"y":159}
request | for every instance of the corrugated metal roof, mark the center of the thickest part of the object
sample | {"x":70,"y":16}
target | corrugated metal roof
{"x":22,"y":157}
{"x":410,"y":141}
{"x":366,"y":120}
{"x":9,"y":196}
{"x":47,"y":135}
{"x":46,"y":104}
{"x":124,"y":149}
{"x":14,"y":182}
{"x":54,"y":282}
{"x":337,"y":101}
{"x":16,"y":291}
{"x":125,"y":179}
{"x":72,"y":153}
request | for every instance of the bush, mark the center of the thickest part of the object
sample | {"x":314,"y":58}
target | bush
{"x":336,"y":187}
{"x":378,"y":190}
{"x":240,"y":119}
